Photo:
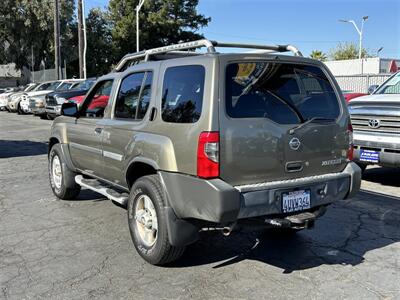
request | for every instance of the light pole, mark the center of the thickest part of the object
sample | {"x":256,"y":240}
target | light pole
{"x":138,"y":7}
{"x":360,"y":32}
{"x":378,"y":51}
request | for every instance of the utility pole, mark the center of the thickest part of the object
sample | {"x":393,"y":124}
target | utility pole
{"x":85,"y":40}
{"x":33,"y":66}
{"x":57,"y":54}
{"x":80,"y":39}
{"x":138,"y":7}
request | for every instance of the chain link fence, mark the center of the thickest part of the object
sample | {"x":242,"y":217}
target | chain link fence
{"x":45,"y":75}
{"x":360,"y":83}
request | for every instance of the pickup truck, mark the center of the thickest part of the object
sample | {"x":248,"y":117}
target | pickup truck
{"x":376,"y":125}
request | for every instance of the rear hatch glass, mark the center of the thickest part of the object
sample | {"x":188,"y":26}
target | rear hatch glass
{"x":279,"y":121}
{"x":284,"y":93}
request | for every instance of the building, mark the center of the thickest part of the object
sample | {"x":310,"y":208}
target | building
{"x":373,"y":65}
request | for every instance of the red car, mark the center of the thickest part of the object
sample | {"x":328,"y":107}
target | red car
{"x":99,"y":101}
{"x":348,"y":95}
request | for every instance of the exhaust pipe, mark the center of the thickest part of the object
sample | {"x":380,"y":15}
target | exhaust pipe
{"x":226,"y":231}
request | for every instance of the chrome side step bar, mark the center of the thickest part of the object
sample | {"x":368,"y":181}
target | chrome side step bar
{"x":103,"y":189}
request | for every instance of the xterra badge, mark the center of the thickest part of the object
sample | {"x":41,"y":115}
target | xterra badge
{"x":331,"y":162}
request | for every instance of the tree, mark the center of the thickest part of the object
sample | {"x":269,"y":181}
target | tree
{"x":347,"y":51}
{"x":99,"y":42}
{"x":162,"y":22}
{"x":27,"y":25}
{"x":318,"y":55}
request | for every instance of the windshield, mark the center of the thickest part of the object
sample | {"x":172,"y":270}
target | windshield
{"x":53,"y":85}
{"x":43,"y":86}
{"x":30,"y":87}
{"x":84,"y":85}
{"x":392,"y":86}
{"x":282,"y":92}
{"x":65,"y":86}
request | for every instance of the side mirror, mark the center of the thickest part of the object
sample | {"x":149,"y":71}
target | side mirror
{"x":372,"y":88}
{"x":69,"y":109}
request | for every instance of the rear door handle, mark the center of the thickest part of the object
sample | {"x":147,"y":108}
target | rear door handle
{"x":98,"y":130}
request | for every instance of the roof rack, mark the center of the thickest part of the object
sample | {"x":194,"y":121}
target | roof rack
{"x":210,"y":45}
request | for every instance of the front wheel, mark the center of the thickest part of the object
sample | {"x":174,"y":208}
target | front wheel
{"x":148,"y":224}
{"x":62,"y":179}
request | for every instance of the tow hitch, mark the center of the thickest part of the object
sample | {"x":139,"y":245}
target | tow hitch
{"x":299,"y":221}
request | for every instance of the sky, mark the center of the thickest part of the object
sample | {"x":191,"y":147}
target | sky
{"x":307,"y":24}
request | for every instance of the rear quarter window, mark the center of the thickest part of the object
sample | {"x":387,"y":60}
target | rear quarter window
{"x":182,"y":96}
{"x":285,"y":93}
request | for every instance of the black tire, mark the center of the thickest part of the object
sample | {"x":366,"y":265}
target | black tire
{"x":20,"y":111}
{"x":50,"y":117}
{"x":43,"y":117}
{"x":67,"y":188}
{"x":161,"y":252}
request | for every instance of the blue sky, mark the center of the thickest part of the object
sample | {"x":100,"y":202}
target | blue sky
{"x":308,"y":24}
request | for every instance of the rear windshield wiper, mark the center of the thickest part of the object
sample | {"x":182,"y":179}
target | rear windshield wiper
{"x":314,"y":119}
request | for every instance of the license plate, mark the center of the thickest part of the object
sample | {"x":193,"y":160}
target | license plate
{"x":369,"y":156}
{"x":296,"y":201}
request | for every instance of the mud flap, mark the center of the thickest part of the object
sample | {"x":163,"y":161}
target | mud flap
{"x":180,"y":232}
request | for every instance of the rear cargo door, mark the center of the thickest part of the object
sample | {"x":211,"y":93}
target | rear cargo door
{"x":279,"y":121}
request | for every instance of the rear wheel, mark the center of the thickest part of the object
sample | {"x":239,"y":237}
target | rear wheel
{"x":148,"y":224}
{"x":62,"y":179}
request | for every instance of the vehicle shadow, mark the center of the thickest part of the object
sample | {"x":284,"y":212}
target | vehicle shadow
{"x":384,"y":176}
{"x":349,"y":230}
{"x":10,"y":148}
{"x":89,"y":195}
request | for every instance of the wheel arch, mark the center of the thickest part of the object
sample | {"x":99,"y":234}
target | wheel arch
{"x":52,"y":142}
{"x":139,"y":167}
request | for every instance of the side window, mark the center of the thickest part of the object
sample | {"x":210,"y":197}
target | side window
{"x":134,"y":96}
{"x":97,"y":100}
{"x":182,"y":97}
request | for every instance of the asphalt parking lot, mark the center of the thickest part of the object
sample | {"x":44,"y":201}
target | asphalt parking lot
{"x":57,"y":249}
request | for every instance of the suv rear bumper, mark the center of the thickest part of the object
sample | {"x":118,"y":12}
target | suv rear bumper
{"x":218,"y":202}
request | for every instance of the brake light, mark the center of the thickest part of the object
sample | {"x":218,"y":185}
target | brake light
{"x":351,"y":143}
{"x":208,"y":155}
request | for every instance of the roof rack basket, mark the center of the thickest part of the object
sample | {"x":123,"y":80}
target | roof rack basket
{"x":210,"y":45}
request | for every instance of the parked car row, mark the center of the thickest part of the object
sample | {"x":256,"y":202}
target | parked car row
{"x":43,"y":99}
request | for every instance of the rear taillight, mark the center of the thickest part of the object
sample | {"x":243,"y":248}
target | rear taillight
{"x":208,"y":155}
{"x":351,"y":145}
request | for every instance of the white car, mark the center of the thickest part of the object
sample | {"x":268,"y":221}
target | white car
{"x":4,"y":98}
{"x":15,"y":98}
{"x":33,"y":102}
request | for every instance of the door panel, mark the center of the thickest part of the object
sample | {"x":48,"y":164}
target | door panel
{"x":85,"y":144}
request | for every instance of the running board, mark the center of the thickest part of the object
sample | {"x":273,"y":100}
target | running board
{"x":102,"y":188}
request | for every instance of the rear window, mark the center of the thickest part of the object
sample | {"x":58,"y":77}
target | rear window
{"x":284,"y":93}
{"x":183,"y":91}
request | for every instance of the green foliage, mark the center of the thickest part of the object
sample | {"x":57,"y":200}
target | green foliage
{"x":99,"y":41}
{"x":347,"y":51}
{"x":318,"y":55}
{"x":27,"y":24}
{"x":161,"y":23}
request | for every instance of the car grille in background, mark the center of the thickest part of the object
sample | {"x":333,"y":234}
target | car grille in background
{"x":386,"y":124}
{"x":51,"y":101}
{"x":32,"y":103}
